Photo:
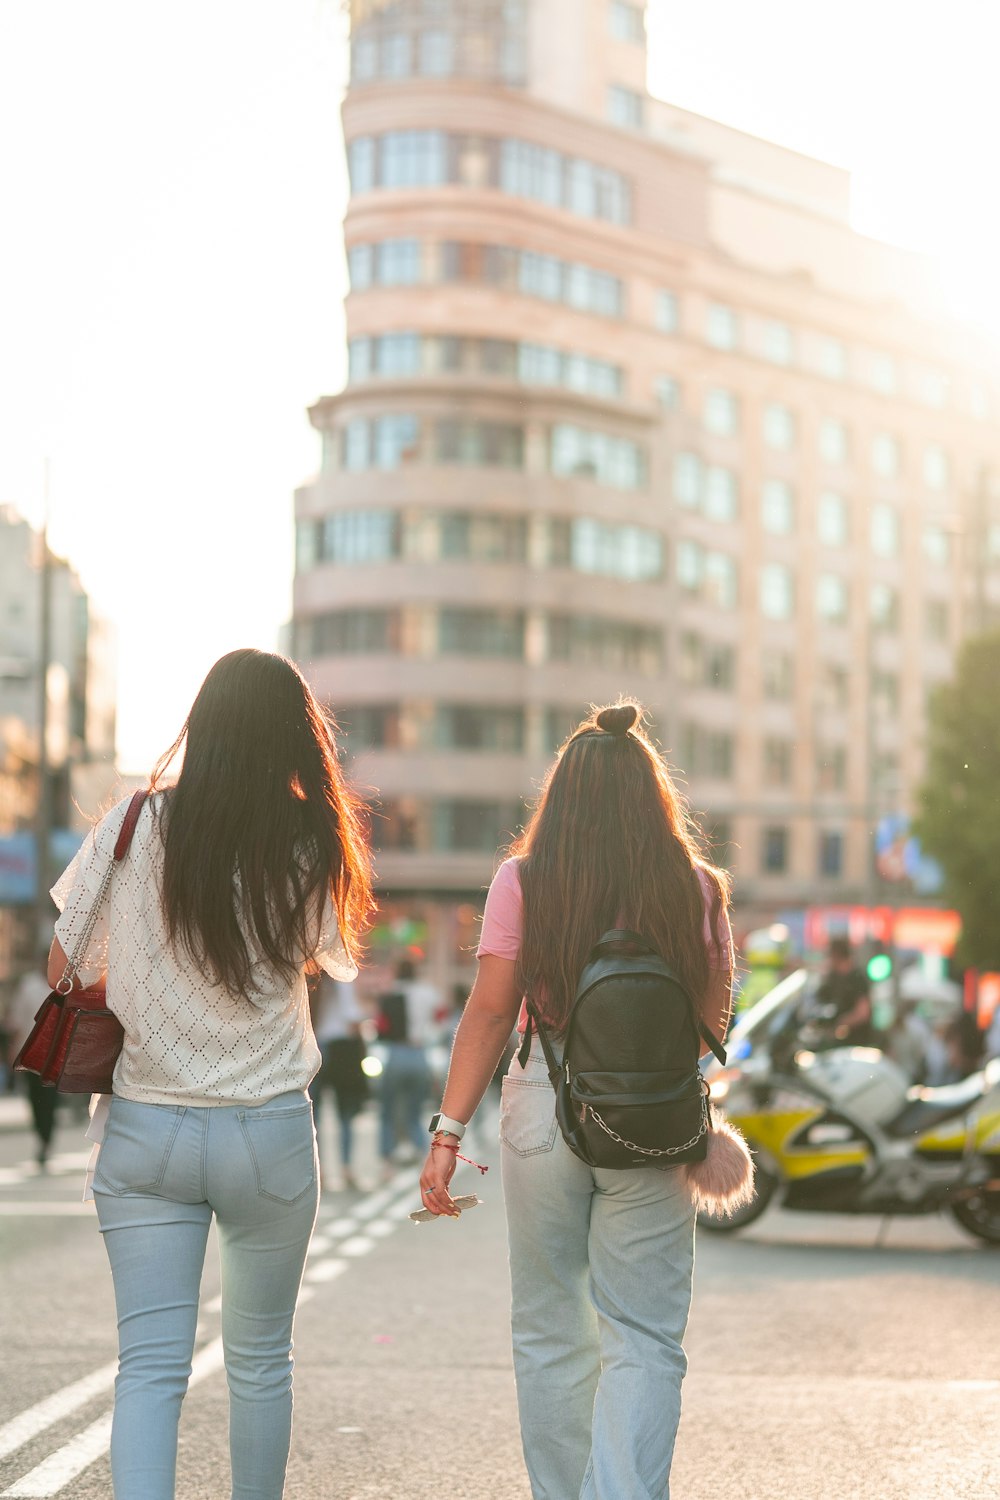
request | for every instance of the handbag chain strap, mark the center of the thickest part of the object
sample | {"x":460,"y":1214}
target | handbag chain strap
{"x":121,"y":849}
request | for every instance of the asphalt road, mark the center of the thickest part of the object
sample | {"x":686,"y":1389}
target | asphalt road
{"x":830,"y":1358}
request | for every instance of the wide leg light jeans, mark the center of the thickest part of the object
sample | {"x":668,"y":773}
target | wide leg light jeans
{"x":601,"y":1264}
{"x":162,"y":1173}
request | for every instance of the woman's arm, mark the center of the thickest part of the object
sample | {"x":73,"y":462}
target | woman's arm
{"x":717,"y":1005}
{"x":57,"y":963}
{"x":483,"y":1032}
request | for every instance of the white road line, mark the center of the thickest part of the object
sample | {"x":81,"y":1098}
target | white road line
{"x":358,"y":1244}
{"x":30,"y":1423}
{"x":56,"y":1471}
{"x":340,"y":1227}
{"x":380,"y":1228}
{"x":319,"y":1244}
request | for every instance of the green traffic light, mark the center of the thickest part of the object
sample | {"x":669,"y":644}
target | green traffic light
{"x":879,"y":967}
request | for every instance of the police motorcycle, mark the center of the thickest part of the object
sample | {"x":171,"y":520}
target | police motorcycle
{"x":839,"y":1129}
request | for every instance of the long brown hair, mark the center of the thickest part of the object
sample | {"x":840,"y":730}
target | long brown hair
{"x":610,"y":839}
{"x":260,"y":826}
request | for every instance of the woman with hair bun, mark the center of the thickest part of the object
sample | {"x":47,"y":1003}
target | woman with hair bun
{"x":601,"y":1260}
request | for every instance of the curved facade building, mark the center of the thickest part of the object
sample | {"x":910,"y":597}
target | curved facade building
{"x":612,"y":425}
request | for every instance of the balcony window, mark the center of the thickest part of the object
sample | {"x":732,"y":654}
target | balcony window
{"x":626,"y":107}
{"x":831,"y":768}
{"x":774,"y":851}
{"x":885,"y":455}
{"x":464,"y":727}
{"x":666,"y":314}
{"x":832,"y":598}
{"x":885,"y":531}
{"x":722,"y":412}
{"x":667,"y":391}
{"x":937,"y":542}
{"x":777,"y":675}
{"x":777,"y":761}
{"x":779,"y":427}
{"x":541,"y":275}
{"x":777,"y":592}
{"x":625,"y":22}
{"x":688,"y":480}
{"x":883,"y":374}
{"x":937,"y":469}
{"x":357,"y":445}
{"x":778,"y":344}
{"x":397,"y":55}
{"x":833,"y":359}
{"x":611,"y":460}
{"x":492,"y":444}
{"x":615,"y":551}
{"x":481,"y":632}
{"x":436,"y":53}
{"x":831,"y":853}
{"x":592,"y":641}
{"x":360,"y":537}
{"x":721,"y":327}
{"x":834,"y":445}
{"x":465,"y":825}
{"x":361,"y":266}
{"x":396,"y":439}
{"x":414,"y":159}
{"x":398,"y":262}
{"x":721,"y":497}
{"x":832,"y":519}
{"x":361,"y":163}
{"x":777,"y":507}
{"x":884,"y":607}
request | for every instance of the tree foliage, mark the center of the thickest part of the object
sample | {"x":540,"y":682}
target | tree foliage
{"x":958,"y":821}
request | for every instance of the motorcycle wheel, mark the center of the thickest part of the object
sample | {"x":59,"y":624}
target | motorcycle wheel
{"x":765,"y":1184}
{"x":980,"y":1214}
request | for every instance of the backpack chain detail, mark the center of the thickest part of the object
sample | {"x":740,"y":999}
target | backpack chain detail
{"x":655,"y":1150}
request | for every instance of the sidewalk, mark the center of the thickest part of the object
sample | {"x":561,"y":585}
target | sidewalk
{"x":14,"y":1112}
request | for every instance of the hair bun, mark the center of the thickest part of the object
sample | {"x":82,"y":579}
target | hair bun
{"x":619,"y":719}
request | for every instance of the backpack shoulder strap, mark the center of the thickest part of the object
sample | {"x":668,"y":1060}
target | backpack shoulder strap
{"x":534,"y":1020}
{"x":709,"y":1036}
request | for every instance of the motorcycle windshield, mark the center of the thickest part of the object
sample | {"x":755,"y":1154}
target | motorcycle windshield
{"x":767,"y":1017}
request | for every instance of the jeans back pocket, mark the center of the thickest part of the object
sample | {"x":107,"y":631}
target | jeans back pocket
{"x":136,"y":1148}
{"x":282,"y":1146}
{"x":527,"y":1115}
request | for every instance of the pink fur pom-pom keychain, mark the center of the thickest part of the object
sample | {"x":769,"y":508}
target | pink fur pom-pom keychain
{"x":723,"y":1182}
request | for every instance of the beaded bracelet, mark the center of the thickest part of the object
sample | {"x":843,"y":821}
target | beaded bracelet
{"x":445,"y":1147}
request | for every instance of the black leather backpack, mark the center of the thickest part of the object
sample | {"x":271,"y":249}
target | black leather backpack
{"x":629,"y":1092}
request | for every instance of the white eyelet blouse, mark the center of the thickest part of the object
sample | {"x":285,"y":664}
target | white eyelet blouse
{"x":187,"y":1041}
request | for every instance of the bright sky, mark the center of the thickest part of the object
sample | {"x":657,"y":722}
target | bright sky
{"x":171,"y":268}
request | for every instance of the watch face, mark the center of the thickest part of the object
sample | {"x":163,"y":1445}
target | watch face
{"x":435,"y":1124}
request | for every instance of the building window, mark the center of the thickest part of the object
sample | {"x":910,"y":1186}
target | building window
{"x":667,"y":392}
{"x":778,"y":675}
{"x":493,"y":444}
{"x":778,"y":344}
{"x":396,"y":440}
{"x":885,"y":530}
{"x":833,"y":359}
{"x":884,"y":607}
{"x":832,"y":598}
{"x":465,"y":825}
{"x":625,"y":22}
{"x":360,"y":537}
{"x":937,"y":545}
{"x":883,"y":374}
{"x":436,"y":52}
{"x":591,"y":641}
{"x":777,"y":507}
{"x":666,"y":314}
{"x":357,"y":445}
{"x":625,"y":107}
{"x":831,"y":853}
{"x":777,"y":592}
{"x":413,"y":159}
{"x":360,"y":266}
{"x":601,"y":547}
{"x":596,"y":455}
{"x":933,"y":388}
{"x":722,"y":412}
{"x":833,"y":441}
{"x":710,"y":576}
{"x":706,"y":752}
{"x":885,"y":692}
{"x":704,"y":663}
{"x":481,"y":632}
{"x":534,"y":275}
{"x":348,"y":632}
{"x":398,"y":262}
{"x":472,"y":537}
{"x":831,"y":768}
{"x":777,"y":761}
{"x":774,"y":852}
{"x":370,"y":726}
{"x":779,"y":427}
{"x":464,"y":727}
{"x":721,"y":501}
{"x":885,"y":455}
{"x":721,"y":327}
{"x":937,"y":469}
{"x":833,"y":686}
{"x":688,"y":480}
{"x":832,"y":520}
{"x":361,"y":160}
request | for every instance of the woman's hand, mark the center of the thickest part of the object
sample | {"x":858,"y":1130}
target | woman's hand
{"x":439,"y":1169}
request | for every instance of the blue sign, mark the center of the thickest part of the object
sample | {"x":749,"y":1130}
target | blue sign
{"x":899,"y":858}
{"x":17,"y":863}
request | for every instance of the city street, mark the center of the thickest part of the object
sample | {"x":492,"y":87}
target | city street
{"x":829,"y":1358}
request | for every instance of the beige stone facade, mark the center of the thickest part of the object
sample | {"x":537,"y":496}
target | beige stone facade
{"x":631,"y":409}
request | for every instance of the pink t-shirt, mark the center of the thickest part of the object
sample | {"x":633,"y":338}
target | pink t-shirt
{"x":504,"y":915}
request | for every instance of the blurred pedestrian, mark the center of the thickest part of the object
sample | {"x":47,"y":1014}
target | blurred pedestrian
{"x":244,"y":873}
{"x":600,"y":1260}
{"x":408,"y":1021}
{"x":844,"y":991}
{"x":31,"y":989}
{"x":337,"y":1019}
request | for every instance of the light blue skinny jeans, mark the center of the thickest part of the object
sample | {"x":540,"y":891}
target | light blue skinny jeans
{"x":163,"y":1171}
{"x":601,"y":1264}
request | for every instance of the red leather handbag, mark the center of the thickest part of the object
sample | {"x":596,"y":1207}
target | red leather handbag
{"x":75,"y":1041}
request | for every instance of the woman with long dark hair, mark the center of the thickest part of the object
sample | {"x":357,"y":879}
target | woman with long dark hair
{"x":601,"y":1260}
{"x":249,"y":870}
